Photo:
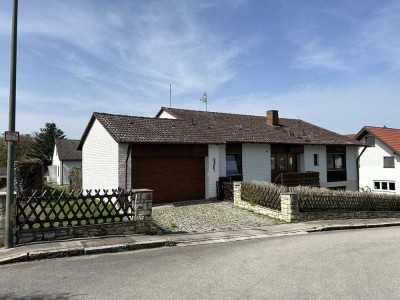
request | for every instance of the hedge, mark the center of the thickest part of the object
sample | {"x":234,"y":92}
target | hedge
{"x":29,"y":177}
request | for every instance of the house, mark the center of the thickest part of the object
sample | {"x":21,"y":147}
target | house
{"x":3,"y":177}
{"x":379,"y":167}
{"x":181,"y":154}
{"x":65,"y":157}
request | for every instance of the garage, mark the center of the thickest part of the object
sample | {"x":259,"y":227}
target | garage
{"x":174,"y":172}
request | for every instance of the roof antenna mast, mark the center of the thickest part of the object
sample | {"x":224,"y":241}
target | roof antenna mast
{"x":204,"y":99}
{"x":170,"y":101}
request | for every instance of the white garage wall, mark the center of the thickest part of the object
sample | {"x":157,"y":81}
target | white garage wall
{"x":99,"y":159}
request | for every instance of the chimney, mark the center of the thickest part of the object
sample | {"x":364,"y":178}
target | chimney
{"x":272,"y":117}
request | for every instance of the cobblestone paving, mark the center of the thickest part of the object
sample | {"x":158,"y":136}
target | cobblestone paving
{"x":206,"y":217}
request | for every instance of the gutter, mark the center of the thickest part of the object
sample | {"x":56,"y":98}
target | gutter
{"x":358,"y":166}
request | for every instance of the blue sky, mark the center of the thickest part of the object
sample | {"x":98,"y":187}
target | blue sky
{"x":332,"y":63}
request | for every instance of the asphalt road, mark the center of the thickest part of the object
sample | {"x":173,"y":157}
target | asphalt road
{"x":354,"y":264}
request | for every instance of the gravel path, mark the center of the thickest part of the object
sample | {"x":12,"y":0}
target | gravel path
{"x":206,"y":216}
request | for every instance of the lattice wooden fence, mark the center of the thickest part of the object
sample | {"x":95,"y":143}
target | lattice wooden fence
{"x":48,"y":210}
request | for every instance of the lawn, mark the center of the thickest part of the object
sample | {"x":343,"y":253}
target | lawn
{"x":63,"y":209}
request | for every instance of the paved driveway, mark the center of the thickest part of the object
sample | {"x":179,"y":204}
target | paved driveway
{"x":206,"y":216}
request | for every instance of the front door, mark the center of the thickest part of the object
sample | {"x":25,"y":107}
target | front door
{"x":282,"y":163}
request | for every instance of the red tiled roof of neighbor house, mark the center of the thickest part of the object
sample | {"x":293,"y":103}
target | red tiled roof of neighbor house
{"x":67,"y":149}
{"x":350,"y":135}
{"x":200,"y":127}
{"x":390,"y":136}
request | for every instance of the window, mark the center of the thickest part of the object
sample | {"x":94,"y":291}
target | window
{"x":385,"y":185}
{"x":316,"y":160}
{"x":335,"y":161}
{"x":370,"y":140}
{"x":233,"y":164}
{"x":388,"y":162}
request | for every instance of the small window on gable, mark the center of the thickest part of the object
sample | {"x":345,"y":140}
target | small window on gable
{"x":316,"y":160}
{"x":388,"y":162}
{"x":370,"y":140}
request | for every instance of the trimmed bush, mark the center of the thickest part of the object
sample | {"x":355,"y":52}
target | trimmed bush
{"x":263,"y":193}
{"x":320,"y":199}
{"x":29,"y":177}
{"x":313,"y":199}
{"x":75,"y":179}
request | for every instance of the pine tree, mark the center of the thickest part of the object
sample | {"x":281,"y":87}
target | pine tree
{"x":43,"y":144}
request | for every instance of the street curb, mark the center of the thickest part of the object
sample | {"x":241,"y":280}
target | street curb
{"x":132,"y":246}
{"x":70,"y":252}
{"x":355,"y":226}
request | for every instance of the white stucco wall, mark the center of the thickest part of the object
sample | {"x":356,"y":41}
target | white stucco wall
{"x":371,"y":166}
{"x":100,"y":159}
{"x":256,"y":162}
{"x":56,"y":162}
{"x":212,"y":171}
{"x":165,"y":115}
{"x":308,"y":161}
{"x":222,"y":160}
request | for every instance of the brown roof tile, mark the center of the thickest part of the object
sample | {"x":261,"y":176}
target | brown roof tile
{"x":68,"y":149}
{"x":200,"y":127}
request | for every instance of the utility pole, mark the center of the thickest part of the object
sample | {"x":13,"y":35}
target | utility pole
{"x":10,"y":200}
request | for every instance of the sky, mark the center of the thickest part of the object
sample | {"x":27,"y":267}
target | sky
{"x":335,"y":64}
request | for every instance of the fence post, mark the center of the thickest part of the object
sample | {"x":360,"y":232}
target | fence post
{"x":3,"y":219}
{"x":143,"y":208}
{"x":237,"y":192}
{"x":290,"y":207}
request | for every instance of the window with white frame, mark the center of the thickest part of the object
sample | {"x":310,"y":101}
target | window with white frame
{"x":380,"y":185}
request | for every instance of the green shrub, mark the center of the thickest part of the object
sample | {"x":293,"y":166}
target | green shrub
{"x":263,"y":193}
{"x":321,"y":199}
{"x":29,"y":177}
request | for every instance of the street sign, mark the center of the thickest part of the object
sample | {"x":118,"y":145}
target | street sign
{"x":11,"y":136}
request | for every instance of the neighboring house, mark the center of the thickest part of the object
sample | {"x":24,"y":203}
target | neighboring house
{"x":181,"y":154}
{"x":379,"y":167}
{"x":3,"y":177}
{"x":65,"y":157}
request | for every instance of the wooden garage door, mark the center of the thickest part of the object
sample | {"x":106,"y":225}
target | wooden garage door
{"x":171,"y":178}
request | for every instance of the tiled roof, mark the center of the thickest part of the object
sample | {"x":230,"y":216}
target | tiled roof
{"x":199,"y":127}
{"x":390,"y":136}
{"x":68,"y":149}
{"x":350,"y":135}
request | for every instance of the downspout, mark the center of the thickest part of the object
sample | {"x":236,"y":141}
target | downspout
{"x":126,"y":167}
{"x":358,"y":167}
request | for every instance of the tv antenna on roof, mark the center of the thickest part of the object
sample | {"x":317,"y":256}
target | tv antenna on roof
{"x":204,"y":99}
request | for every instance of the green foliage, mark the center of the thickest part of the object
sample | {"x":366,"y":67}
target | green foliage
{"x":263,"y":193}
{"x":22,"y":150}
{"x":43,"y":145}
{"x":319,"y":199}
{"x":75,"y":179}
{"x":29,"y":177}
